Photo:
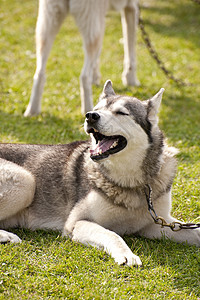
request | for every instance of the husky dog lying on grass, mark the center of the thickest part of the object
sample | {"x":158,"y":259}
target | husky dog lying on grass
{"x":94,"y":191}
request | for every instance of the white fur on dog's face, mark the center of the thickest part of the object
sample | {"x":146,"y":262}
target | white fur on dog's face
{"x":130,"y":118}
{"x":117,"y":120}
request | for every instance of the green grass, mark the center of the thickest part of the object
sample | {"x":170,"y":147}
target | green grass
{"x":45,"y":265}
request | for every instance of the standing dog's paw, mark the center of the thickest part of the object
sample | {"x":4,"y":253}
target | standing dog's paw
{"x":129,"y":78}
{"x":8,"y":237}
{"x":128,"y":259}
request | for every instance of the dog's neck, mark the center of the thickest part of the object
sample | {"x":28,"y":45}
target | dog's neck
{"x":125,"y":171}
{"x":102,"y":181}
{"x":121,"y":169}
{"x":119,"y":190}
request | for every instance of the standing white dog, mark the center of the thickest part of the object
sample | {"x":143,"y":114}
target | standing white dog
{"x":90,"y":18}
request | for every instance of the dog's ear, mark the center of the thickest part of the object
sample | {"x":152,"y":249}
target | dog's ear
{"x":153,"y":106}
{"x":107,"y":90}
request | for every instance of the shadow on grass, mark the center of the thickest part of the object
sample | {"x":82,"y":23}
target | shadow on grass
{"x":185,"y":16}
{"x":39,"y":237}
{"x":179,"y":119}
{"x":41,"y":129}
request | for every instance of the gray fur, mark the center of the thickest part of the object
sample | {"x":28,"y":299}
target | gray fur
{"x":94,"y":201}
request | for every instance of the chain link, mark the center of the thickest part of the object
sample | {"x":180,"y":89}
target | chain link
{"x":155,"y":55}
{"x":175,"y":225}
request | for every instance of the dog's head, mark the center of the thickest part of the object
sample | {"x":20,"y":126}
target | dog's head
{"x":119,"y":123}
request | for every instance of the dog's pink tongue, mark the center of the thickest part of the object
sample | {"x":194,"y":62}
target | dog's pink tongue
{"x":102,"y":146}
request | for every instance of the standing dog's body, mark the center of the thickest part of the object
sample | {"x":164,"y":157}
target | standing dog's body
{"x":95,"y":191}
{"x":90,"y":18}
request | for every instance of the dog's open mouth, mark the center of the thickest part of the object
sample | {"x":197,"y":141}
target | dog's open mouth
{"x":106,"y":145}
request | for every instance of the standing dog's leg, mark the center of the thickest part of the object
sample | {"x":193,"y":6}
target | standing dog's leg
{"x":129,"y":25}
{"x":96,"y":73}
{"x":90,"y":19}
{"x":50,"y":17}
{"x":17,"y":187}
{"x":90,"y":73}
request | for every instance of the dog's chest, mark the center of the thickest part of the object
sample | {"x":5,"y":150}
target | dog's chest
{"x":112,"y":216}
{"x":130,"y":198}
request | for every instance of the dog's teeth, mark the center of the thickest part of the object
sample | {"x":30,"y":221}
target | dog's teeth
{"x":114,"y":144}
{"x":100,"y":151}
{"x":95,"y":130}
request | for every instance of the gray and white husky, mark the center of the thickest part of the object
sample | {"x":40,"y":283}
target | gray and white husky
{"x":93,"y":191}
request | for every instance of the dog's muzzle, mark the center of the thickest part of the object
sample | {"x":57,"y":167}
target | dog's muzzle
{"x":105,"y":145}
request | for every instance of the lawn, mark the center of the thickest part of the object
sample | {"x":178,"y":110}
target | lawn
{"x":46,"y":265}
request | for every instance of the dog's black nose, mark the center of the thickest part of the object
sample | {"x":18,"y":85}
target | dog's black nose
{"x":92,"y":117}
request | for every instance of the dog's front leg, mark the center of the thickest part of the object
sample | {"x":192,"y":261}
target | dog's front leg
{"x":50,"y":18}
{"x":90,"y":233}
{"x":190,"y":236}
{"x":162,"y":207}
{"x":90,"y":19}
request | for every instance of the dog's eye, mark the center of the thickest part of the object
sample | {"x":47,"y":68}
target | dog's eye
{"x":121,"y":113}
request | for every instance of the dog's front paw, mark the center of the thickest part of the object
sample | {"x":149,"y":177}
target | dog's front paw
{"x":128,"y":259}
{"x":192,"y":237}
{"x":8,"y":237}
{"x":32,"y":111}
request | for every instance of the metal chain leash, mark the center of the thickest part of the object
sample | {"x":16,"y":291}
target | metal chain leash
{"x":174,"y":226}
{"x":155,"y":55}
